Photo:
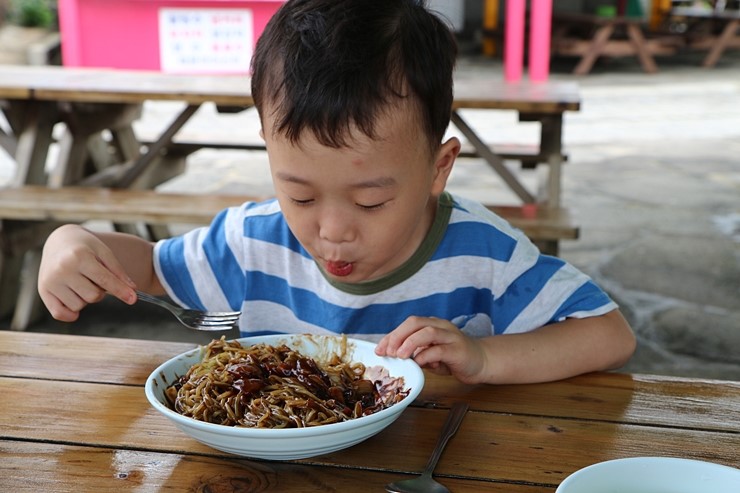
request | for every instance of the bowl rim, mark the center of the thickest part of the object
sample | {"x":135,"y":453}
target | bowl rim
{"x":277,"y":433}
{"x":648,"y":460}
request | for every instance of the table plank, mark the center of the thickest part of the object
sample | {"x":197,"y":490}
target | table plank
{"x":539,"y":450}
{"x":71,"y":357}
{"x":115,"y":85}
{"x":80,"y":204}
{"x":54,"y":83}
{"x":70,"y":204}
{"x":525,"y":96}
{"x":58,"y":468}
{"x":626,"y":398}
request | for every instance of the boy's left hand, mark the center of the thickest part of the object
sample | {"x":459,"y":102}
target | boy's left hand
{"x":437,"y":345}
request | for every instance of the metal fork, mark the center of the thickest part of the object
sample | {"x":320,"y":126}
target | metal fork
{"x":195,"y":319}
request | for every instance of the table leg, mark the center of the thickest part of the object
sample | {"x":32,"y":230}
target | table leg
{"x":84,"y":123}
{"x":164,"y":140}
{"x":492,"y":159}
{"x":597,"y":46}
{"x":126,"y":143}
{"x":70,"y":166}
{"x":141,"y":174}
{"x":721,"y":43}
{"x":27,"y":303}
{"x":32,"y":124}
{"x":551,"y":146}
{"x":640,"y":45}
{"x":8,"y":142}
{"x":34,"y":141}
{"x":10,"y":269}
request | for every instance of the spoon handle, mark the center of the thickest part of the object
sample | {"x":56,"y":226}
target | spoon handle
{"x":457,"y":413}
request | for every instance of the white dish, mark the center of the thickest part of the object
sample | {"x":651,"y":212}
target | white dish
{"x":292,"y":443}
{"x":653,"y":475}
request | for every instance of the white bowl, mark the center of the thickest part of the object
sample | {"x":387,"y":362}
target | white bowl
{"x":653,"y":475}
{"x":292,"y":443}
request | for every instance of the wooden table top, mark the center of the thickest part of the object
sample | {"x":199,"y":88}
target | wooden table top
{"x":524,"y":96}
{"x":54,"y":83}
{"x":75,"y":418}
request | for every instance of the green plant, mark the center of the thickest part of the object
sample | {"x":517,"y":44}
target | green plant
{"x":33,"y":13}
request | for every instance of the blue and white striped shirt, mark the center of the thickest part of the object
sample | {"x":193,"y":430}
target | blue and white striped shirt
{"x":473,"y":269}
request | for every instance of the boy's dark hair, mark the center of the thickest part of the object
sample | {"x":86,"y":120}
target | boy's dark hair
{"x":329,"y":65}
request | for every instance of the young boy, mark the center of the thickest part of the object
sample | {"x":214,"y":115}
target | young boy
{"x":354,"y":100}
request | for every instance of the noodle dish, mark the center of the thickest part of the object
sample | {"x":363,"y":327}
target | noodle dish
{"x":283,"y":397}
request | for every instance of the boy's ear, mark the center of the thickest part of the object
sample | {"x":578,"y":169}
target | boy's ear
{"x":445,"y":158}
{"x":262,"y":133}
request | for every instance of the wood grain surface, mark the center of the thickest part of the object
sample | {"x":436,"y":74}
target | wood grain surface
{"x":75,"y":416}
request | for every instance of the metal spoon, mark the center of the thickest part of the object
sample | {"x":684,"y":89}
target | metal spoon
{"x":425,"y":483}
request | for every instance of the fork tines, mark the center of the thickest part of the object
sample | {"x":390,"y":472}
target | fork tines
{"x":218,"y":322}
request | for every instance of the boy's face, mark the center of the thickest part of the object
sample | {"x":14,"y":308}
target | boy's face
{"x":363,"y":210}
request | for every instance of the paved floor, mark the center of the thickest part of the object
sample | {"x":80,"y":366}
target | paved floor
{"x":653,"y":179}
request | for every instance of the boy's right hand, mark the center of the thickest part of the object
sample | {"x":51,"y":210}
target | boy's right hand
{"x":77,"y":269}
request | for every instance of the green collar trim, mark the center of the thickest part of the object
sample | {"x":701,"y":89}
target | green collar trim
{"x":420,"y":257}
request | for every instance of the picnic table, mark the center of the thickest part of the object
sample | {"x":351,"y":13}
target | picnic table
{"x":79,"y":421}
{"x":592,"y":36}
{"x":710,"y":30}
{"x":99,"y":150}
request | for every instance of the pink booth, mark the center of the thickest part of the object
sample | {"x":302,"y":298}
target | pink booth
{"x":176,"y":36}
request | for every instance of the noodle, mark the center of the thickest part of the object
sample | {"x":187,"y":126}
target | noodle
{"x":263,"y":386}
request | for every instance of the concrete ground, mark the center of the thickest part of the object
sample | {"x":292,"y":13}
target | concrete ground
{"x":653,"y":179}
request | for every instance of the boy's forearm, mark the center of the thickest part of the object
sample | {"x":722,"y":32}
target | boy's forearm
{"x":560,"y":350}
{"x":136,"y":256}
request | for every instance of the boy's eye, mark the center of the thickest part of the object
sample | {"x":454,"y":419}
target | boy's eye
{"x":371,"y":206}
{"x":301,"y":201}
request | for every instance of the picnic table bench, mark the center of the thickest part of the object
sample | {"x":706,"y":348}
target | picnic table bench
{"x":706,"y":29}
{"x":592,"y":36}
{"x":103,"y":170}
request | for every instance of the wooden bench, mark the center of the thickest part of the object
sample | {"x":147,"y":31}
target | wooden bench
{"x":80,"y":204}
{"x":31,"y":212}
{"x":591,"y":37}
{"x":710,"y":30}
{"x":529,"y":155}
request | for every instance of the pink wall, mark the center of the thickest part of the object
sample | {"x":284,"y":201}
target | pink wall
{"x":125,"y":33}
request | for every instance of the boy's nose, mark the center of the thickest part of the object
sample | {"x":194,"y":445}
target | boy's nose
{"x":336,"y":226}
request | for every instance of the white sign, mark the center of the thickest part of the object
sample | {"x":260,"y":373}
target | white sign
{"x":205,"y":40}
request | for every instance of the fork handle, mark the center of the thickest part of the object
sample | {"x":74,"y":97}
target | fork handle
{"x":457,"y":413}
{"x":152,"y":299}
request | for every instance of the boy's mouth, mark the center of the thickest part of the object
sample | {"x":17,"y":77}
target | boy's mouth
{"x":339,"y":268}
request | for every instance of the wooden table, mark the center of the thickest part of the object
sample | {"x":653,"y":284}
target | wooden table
{"x":708,"y":30}
{"x":97,"y":146}
{"x":75,"y":418}
{"x":592,"y":36}
{"x":90,"y":101}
